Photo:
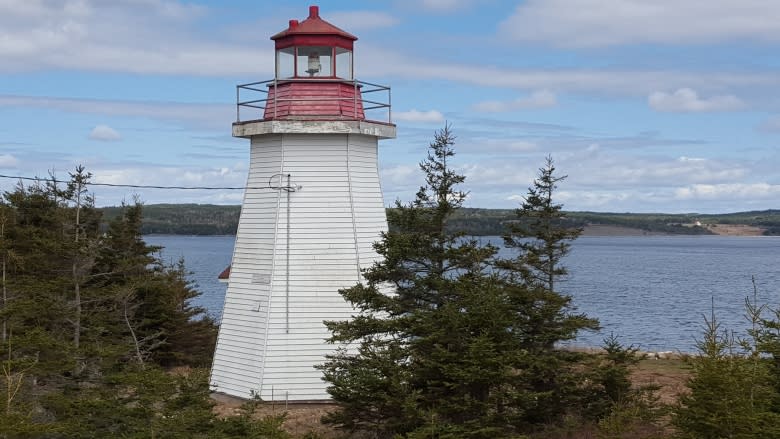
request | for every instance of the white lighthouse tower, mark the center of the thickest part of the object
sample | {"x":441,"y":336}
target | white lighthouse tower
{"x":312,"y":210}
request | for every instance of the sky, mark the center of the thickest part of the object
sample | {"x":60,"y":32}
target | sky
{"x":647,"y":106}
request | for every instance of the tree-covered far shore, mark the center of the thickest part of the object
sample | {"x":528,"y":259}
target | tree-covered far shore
{"x":211,"y":219}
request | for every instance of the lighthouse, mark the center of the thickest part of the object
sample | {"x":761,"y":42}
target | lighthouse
{"x":312,"y":210}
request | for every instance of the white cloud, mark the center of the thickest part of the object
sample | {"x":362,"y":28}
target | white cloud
{"x":489,"y":174}
{"x":141,"y":174}
{"x":419,"y":116}
{"x":584,"y":200}
{"x":633,"y":171}
{"x":123,"y":167}
{"x":359,"y":20}
{"x":137,"y":36}
{"x":614,"y":172}
{"x":595,"y":23}
{"x":624,"y":183}
{"x":691,"y":159}
{"x":169,"y":37}
{"x":384,"y":62}
{"x":687,"y":100}
{"x":401,"y":175}
{"x":537,"y":99}
{"x":8,"y":161}
{"x":217,"y":116}
{"x":399,"y":182}
{"x":104,"y":133}
{"x":603,"y":178}
{"x":733,"y":191}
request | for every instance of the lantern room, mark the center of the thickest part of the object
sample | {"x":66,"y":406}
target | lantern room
{"x":314,"y":79}
{"x":313,"y":49}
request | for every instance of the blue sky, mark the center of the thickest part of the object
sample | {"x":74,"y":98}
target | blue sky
{"x":662,"y":106}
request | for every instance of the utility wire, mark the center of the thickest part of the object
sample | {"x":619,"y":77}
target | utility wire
{"x":288,"y":188}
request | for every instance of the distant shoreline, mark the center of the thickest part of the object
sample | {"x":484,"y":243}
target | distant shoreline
{"x":716,"y":229}
{"x":608,"y":230}
{"x":205,"y":219}
{"x":595,"y":230}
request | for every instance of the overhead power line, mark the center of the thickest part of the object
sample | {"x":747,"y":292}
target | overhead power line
{"x":289,"y":188}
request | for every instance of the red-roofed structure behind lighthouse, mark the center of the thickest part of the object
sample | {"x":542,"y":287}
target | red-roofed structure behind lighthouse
{"x":312,"y":209}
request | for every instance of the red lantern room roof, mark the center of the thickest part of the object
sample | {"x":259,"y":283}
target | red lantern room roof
{"x":313,"y":31}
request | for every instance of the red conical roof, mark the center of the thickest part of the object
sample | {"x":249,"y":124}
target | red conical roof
{"x":313,"y":25}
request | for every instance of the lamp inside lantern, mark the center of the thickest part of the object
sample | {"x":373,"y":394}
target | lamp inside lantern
{"x":314,"y":64}
{"x":314,"y":61}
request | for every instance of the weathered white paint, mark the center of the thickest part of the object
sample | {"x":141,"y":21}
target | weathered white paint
{"x":252,"y":128}
{"x":293,"y":252}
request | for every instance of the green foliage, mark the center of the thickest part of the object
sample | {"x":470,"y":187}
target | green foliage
{"x":620,"y":408}
{"x":730,"y":389}
{"x":767,"y":334}
{"x":150,"y":402}
{"x":447,"y":344}
{"x":182,"y":334}
{"x":88,"y":318}
{"x":246,"y":424}
{"x":541,"y":234}
{"x":608,"y":380}
{"x":543,"y":237}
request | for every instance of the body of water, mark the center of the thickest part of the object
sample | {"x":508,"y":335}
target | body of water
{"x":651,"y":291}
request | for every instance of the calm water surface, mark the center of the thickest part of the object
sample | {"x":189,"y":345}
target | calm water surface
{"x":651,"y":291}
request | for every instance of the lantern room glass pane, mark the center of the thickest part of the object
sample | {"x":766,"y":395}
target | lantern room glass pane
{"x":315,"y":61}
{"x":343,"y":63}
{"x":285,"y":59}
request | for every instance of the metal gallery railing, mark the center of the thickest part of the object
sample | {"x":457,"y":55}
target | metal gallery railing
{"x":255,"y":96}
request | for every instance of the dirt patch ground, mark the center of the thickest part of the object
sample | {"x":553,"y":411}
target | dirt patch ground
{"x":300,"y":418}
{"x":718,"y":229}
{"x":669,"y":374}
{"x":734,"y":230}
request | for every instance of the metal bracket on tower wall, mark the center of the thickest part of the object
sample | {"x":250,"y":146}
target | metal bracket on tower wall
{"x":289,"y":187}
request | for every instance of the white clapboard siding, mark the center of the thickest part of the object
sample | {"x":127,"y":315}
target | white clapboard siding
{"x":293,"y":252}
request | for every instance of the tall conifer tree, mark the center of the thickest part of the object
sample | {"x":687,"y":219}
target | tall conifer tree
{"x":445,"y":343}
{"x":541,"y":232}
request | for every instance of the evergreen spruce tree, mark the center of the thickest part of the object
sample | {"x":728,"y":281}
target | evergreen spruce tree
{"x":445,"y":344}
{"x":621,"y":408}
{"x":766,"y":331}
{"x":730,"y":389}
{"x":541,"y":237}
{"x":151,"y":300}
{"x":38,"y":283}
{"x":85,"y":226}
{"x":541,"y":232}
{"x":378,"y":386}
{"x":6,"y":222}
